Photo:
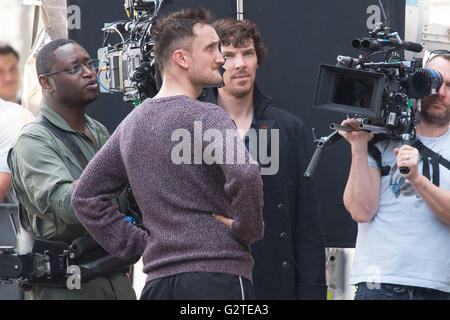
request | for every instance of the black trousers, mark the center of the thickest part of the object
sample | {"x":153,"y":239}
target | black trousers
{"x":199,"y":286}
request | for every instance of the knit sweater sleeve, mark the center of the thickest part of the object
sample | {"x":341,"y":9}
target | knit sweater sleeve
{"x":102,"y":180}
{"x":243,"y":183}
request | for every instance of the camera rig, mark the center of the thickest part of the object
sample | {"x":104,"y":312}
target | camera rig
{"x":54,"y":263}
{"x":129,"y":66}
{"x":384,"y":96}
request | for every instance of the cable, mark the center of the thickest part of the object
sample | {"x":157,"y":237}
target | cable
{"x":386,"y":16}
{"x":120,"y":34}
{"x":375,"y":53}
{"x":147,"y":29}
{"x":100,"y":83}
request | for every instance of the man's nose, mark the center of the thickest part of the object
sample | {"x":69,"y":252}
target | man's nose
{"x":9,"y":76}
{"x":443,"y":90}
{"x":239,"y":62}
{"x":220,"y":59}
{"x":87,"y":72}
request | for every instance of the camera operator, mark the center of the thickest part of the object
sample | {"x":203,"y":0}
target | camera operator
{"x":403,"y":244}
{"x":44,"y":170}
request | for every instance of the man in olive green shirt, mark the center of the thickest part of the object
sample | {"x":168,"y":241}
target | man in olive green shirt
{"x":43,"y":169}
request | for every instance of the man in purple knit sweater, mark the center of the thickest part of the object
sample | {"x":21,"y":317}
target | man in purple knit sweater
{"x":201,"y":216}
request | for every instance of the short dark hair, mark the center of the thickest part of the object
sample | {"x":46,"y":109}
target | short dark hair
{"x":7,"y":49}
{"x":238,"y":33}
{"x":46,"y":57}
{"x":169,"y":32}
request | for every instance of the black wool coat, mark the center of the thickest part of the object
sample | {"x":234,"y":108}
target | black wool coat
{"x":290,"y":259}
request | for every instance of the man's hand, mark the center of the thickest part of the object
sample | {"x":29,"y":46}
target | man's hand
{"x":225,"y":221}
{"x":408,"y":156}
{"x":357,"y":136}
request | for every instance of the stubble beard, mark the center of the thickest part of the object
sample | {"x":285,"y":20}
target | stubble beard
{"x":212,"y":80}
{"x":238,"y":92}
{"x":439,"y":119}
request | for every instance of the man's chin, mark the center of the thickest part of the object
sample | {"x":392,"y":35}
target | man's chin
{"x":8,"y":95}
{"x":91,"y":98}
{"x":238,"y":91}
{"x":436,"y":118}
{"x":213,"y":82}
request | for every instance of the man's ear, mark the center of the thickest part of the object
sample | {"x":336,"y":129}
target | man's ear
{"x":45,"y":84}
{"x":181,"y":58}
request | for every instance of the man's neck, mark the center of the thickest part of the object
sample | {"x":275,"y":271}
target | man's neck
{"x":425,"y":129}
{"x":173,"y":86}
{"x":238,"y":108}
{"x":74,"y":115}
{"x":13,"y":99}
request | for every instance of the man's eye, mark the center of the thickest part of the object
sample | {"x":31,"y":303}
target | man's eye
{"x":75,"y":68}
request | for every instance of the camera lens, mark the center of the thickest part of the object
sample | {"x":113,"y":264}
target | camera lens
{"x":426,"y":81}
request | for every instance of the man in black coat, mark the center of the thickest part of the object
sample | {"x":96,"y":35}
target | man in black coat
{"x":290,"y":260}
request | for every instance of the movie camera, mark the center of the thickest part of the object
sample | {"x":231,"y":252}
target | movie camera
{"x":384,"y":96}
{"x":129,"y":66}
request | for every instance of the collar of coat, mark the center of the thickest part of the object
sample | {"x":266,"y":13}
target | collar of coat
{"x":260,"y":100}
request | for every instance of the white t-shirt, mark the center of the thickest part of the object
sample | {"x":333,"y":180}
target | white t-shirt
{"x":405,"y":243}
{"x":11,"y":121}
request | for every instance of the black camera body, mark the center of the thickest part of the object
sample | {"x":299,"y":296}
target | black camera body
{"x":50,"y":263}
{"x":38,"y":261}
{"x":383,"y":95}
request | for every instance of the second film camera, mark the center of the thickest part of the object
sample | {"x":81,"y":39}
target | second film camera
{"x":383,"y":96}
{"x":129,"y":66}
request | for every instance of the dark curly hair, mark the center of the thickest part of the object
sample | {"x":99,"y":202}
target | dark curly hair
{"x":170,"y":33}
{"x":238,"y":33}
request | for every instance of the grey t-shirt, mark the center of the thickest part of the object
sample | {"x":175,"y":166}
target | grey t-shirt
{"x":405,"y":243}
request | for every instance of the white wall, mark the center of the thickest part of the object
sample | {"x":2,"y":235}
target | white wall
{"x":428,"y":23}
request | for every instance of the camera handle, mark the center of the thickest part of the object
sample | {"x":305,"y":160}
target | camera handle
{"x":409,"y":140}
{"x":320,"y":145}
{"x":333,"y":137}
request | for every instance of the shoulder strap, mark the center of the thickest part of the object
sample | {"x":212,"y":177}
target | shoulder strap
{"x":435,"y":158}
{"x":65,"y":138}
{"x":376,"y":155}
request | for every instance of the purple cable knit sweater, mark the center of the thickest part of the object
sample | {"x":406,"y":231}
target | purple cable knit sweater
{"x":176,"y":200}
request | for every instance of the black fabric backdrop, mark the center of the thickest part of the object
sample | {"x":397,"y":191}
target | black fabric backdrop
{"x":299,"y":36}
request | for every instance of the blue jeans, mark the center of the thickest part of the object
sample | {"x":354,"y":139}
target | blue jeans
{"x":386,"y":291}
